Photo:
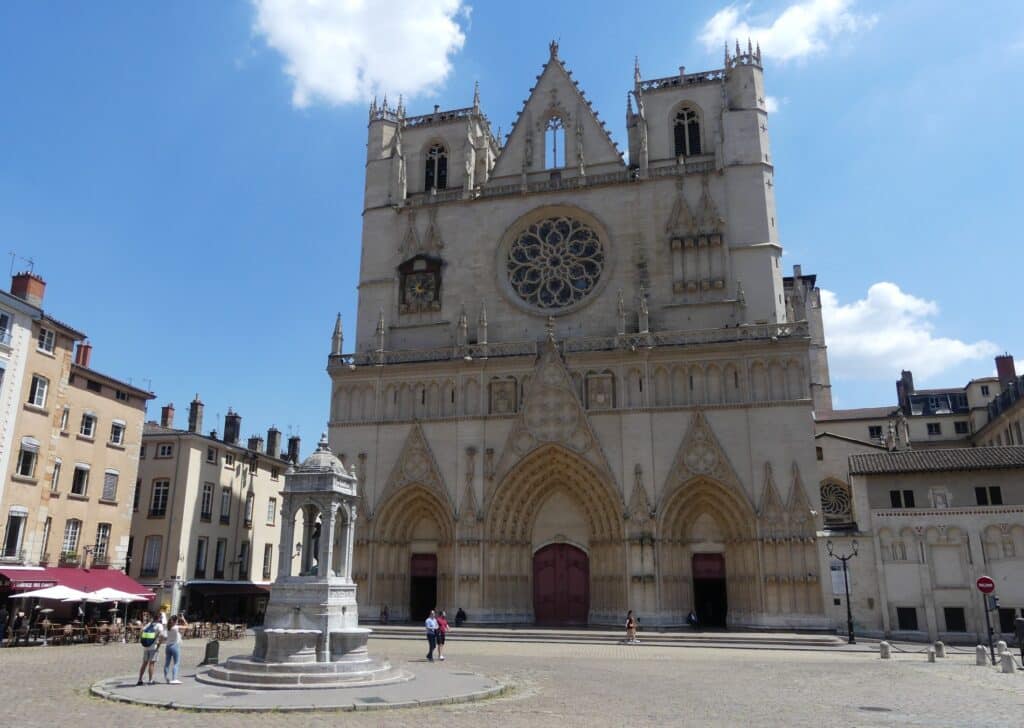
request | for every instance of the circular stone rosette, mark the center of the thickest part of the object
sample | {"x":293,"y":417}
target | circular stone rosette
{"x":553,"y":261}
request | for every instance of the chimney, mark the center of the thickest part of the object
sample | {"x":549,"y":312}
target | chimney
{"x":167,"y":416}
{"x":293,"y":448}
{"x":83,"y":354}
{"x":904,"y":388}
{"x":1005,"y":370}
{"x":256,"y":443}
{"x":29,"y":288}
{"x":232,"y":427}
{"x":274,"y":442}
{"x":195,"y":415}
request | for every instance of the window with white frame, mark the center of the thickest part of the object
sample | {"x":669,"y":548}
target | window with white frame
{"x":211,"y":455}
{"x":225,"y":505}
{"x":120,"y":395}
{"x":5,"y":328}
{"x":28,"y":456}
{"x":17,"y":517}
{"x":65,"y":415}
{"x":275,"y":473}
{"x":102,"y":541}
{"x":200,"y":570}
{"x":110,"y":485}
{"x":268,"y":558}
{"x":219,"y":557}
{"x":229,"y":460}
{"x":158,"y":499}
{"x":55,"y":478}
{"x":47,"y":340}
{"x":151,"y":556}
{"x":271,"y":511}
{"x":136,"y":494}
{"x":37,"y":391}
{"x":243,"y":561}
{"x":117,"y":428}
{"x":206,"y":510}
{"x":72,"y":530}
{"x":88,"y":428}
{"x":80,"y":479}
{"x":250,"y":502}
{"x":164,"y":450}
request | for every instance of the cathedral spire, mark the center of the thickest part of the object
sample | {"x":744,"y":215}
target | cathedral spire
{"x":476,"y":96}
{"x":726,"y":44}
{"x":337,"y":339}
{"x":462,"y":333}
{"x":481,"y":325}
{"x":380,"y":332}
{"x":636,"y":70}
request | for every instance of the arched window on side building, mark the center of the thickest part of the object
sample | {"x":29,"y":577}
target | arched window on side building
{"x":687,"y":132}
{"x":436,"y":174}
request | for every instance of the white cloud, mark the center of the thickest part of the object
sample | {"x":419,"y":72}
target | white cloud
{"x":889,"y":330}
{"x":342,"y":51}
{"x":771,"y":104}
{"x":802,"y":29}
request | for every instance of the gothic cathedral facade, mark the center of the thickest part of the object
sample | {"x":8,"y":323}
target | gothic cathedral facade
{"x":578,"y":385}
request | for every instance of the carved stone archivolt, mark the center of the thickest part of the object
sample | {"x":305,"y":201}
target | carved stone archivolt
{"x":551,"y":413}
{"x":700,"y":455}
{"x":416,"y":465}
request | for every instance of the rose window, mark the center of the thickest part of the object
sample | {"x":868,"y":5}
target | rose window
{"x":555,"y":263}
{"x":835,"y":501}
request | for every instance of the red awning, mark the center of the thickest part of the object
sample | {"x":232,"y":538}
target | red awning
{"x":86,"y":580}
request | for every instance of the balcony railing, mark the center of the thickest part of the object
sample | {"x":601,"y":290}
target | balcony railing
{"x":12,"y":556}
{"x":634,"y":341}
{"x":157,"y":512}
{"x":69,"y":558}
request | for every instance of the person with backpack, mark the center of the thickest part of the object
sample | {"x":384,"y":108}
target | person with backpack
{"x":150,"y":637}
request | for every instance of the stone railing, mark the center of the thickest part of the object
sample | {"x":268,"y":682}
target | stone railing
{"x":688,"y":79}
{"x":438,"y":117}
{"x":633,"y":341}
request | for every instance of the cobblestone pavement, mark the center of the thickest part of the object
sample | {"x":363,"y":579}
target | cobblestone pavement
{"x":570,"y":685}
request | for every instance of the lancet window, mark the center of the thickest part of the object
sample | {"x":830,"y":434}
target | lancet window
{"x":687,"y":132}
{"x":555,"y":136}
{"x":436,"y":175}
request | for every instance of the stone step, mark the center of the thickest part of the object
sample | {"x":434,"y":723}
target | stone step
{"x":605,"y":636}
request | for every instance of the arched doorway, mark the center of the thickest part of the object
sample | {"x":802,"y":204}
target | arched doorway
{"x":521,"y":521}
{"x":561,"y":585}
{"x":707,"y":554}
{"x":412,"y":555}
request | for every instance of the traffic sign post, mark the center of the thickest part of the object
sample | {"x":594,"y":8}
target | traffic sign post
{"x":986,"y":586}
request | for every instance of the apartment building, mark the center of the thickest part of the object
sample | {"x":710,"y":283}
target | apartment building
{"x":74,"y":434}
{"x":205,"y":528}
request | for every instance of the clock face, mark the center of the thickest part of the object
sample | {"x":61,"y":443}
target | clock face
{"x":420,"y":288}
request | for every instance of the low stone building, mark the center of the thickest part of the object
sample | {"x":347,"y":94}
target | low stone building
{"x":928,"y":524}
{"x":205,"y":531}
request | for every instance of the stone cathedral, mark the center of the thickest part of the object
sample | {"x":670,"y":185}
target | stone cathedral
{"x":581,"y":383}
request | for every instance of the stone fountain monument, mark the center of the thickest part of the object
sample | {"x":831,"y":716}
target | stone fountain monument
{"x":311,"y":636}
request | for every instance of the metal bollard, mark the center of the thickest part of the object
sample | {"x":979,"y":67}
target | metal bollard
{"x":981,"y":655}
{"x":931,"y":654}
{"x":940,"y":650}
{"x":884,"y":650}
{"x":1006,"y":662}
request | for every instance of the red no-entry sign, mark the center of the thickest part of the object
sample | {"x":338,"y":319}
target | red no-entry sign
{"x":986,"y":585}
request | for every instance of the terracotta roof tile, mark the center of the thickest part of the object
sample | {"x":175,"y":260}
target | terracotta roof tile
{"x":944,"y":460}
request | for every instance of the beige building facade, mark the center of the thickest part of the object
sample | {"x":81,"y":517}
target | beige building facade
{"x":206,"y":531}
{"x":581,"y":385}
{"x":75,"y":440}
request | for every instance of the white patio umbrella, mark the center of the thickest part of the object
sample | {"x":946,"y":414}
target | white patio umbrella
{"x":58,"y":593}
{"x":109,"y":594}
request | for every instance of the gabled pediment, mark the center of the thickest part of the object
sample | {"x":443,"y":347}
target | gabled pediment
{"x":416,"y":465}
{"x":551,"y":414}
{"x":701,"y":456}
{"x":556,"y":94}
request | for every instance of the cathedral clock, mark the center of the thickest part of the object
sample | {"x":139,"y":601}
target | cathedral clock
{"x":420,"y":281}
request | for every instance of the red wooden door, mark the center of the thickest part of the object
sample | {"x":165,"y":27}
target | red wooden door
{"x":561,"y":585}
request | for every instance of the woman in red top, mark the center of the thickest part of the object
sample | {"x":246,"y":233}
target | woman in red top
{"x":442,"y":632}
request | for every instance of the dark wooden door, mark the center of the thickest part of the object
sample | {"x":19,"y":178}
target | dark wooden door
{"x":710,"y":600}
{"x":423,"y":586}
{"x":561,"y":585}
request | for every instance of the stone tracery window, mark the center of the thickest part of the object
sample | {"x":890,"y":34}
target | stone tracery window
{"x":836,"y":503}
{"x":436,"y":174}
{"x":555,"y":263}
{"x":554,"y":131}
{"x":687,"y":132}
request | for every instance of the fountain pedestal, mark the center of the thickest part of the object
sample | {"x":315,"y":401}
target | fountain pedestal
{"x":311,"y":635}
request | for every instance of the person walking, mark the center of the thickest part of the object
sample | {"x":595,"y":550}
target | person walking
{"x":172,"y":655}
{"x":442,"y":632}
{"x":150,"y":637}
{"x":631,"y":625}
{"x":431,"y":625}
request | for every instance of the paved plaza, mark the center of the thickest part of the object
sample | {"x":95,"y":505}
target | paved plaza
{"x":574,"y":684}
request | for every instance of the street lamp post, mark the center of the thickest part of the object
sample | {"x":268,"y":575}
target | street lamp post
{"x":846,"y":584}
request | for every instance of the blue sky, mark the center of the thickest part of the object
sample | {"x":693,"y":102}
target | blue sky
{"x":187,"y":176}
